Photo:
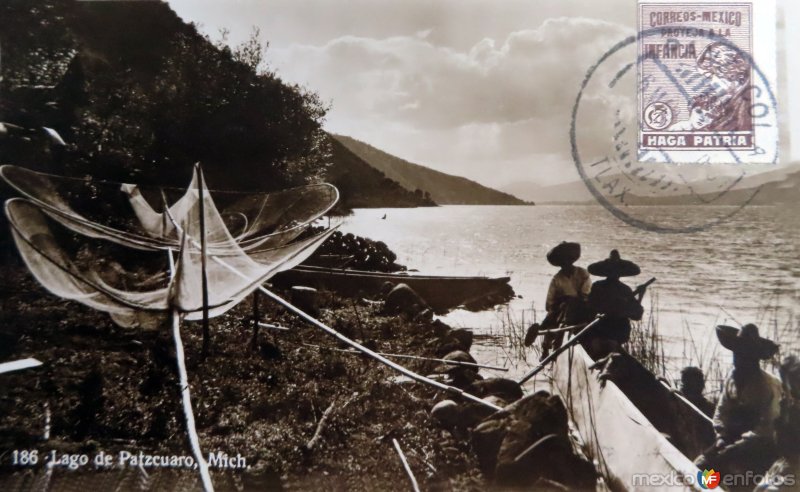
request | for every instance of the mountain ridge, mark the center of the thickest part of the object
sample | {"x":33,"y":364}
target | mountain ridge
{"x":761,"y":193}
{"x":363,"y":186}
{"x":444,"y":189}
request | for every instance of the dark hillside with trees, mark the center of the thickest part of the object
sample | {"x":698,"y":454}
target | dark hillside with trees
{"x":445,"y":189}
{"x":363,"y":186}
{"x":138,"y":95}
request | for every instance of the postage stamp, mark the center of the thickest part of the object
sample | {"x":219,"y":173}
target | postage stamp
{"x":704,"y":70}
{"x":682,"y":112}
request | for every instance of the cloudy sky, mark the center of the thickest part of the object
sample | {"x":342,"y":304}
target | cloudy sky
{"x":482,"y":89}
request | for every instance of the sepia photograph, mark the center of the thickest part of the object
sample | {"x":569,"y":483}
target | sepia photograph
{"x":399,"y":245}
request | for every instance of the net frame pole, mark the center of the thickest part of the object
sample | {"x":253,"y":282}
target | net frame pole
{"x":204,"y":276}
{"x":186,"y":397}
{"x":256,"y":319}
{"x":406,"y":466}
{"x":450,"y":390}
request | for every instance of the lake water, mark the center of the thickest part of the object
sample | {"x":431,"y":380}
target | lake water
{"x":745,"y":269}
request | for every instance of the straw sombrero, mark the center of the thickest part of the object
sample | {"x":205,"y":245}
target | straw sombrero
{"x":746,"y":340}
{"x":614,"y":266}
{"x":564,"y":254}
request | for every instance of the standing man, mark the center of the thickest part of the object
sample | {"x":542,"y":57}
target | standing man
{"x":748,"y":408}
{"x":566,"y":296}
{"x":616,"y":301}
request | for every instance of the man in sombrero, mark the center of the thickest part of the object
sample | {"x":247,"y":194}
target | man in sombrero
{"x":616,"y":301}
{"x":748,"y":408}
{"x":566,"y":296}
{"x":787,"y":432}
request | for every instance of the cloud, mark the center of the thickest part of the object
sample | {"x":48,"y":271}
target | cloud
{"x":412,"y":79}
{"x":473,"y":87}
{"x":460,"y":110}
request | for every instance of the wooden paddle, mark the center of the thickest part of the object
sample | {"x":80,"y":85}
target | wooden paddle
{"x":550,"y":358}
{"x":535,"y":330}
{"x":688,"y":403}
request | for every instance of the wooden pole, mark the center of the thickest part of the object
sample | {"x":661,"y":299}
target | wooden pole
{"x":383,"y":360}
{"x":415,"y":357}
{"x":411,"y":477}
{"x":18,"y":365}
{"x":194,"y":440}
{"x":272,"y":327}
{"x":563,"y":329}
{"x":256,"y":317}
{"x":533,"y":446}
{"x":206,"y":331}
{"x":186,"y":398}
{"x":690,"y":404}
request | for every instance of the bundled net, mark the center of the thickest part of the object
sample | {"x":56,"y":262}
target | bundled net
{"x":105,"y":245}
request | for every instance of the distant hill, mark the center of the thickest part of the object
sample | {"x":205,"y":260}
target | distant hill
{"x":777,"y":188}
{"x":444,"y":189}
{"x":784,"y":191}
{"x":574,"y":191}
{"x":362,"y":186}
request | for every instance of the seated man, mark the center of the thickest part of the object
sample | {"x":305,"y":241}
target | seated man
{"x":783,"y":474}
{"x":692,"y":385}
{"x":566,"y":296}
{"x":616,"y":301}
{"x":748,"y":408}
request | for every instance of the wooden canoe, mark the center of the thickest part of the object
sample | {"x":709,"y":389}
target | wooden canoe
{"x":440,"y":292}
{"x":633,"y":444}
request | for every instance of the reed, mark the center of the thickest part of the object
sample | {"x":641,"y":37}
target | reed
{"x":645,"y":343}
{"x":512,"y":325}
{"x":507,"y":335}
{"x":784,"y":332}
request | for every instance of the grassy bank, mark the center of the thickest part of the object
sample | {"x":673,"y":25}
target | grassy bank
{"x":108,"y":389}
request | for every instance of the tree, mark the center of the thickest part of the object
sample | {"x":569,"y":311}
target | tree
{"x":158,"y":96}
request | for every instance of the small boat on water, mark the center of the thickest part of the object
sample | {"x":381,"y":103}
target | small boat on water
{"x":637,"y":431}
{"x":440,"y":292}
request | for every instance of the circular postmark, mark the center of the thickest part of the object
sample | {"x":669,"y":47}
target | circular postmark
{"x":612,"y":122}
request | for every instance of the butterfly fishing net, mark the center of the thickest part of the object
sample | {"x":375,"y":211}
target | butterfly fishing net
{"x":108,"y":246}
{"x":128,"y":213}
{"x":111,"y":247}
